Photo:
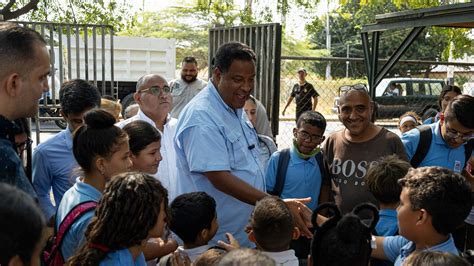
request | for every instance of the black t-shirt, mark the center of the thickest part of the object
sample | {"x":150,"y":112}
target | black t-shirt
{"x":303,"y":95}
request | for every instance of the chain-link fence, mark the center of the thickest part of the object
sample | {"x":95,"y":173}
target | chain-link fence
{"x":411,"y":86}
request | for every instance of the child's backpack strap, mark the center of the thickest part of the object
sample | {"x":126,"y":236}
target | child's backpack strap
{"x":283,"y":162}
{"x":52,"y":254}
{"x":468,"y":147}
{"x":423,"y":145}
{"x":322,"y":169}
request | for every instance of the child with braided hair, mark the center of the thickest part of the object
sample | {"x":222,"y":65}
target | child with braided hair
{"x":133,"y":208}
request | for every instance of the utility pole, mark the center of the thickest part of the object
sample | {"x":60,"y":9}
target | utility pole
{"x":347,"y":62}
{"x":328,"y":42}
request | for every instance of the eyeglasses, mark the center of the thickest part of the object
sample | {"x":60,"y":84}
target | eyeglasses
{"x":155,"y":90}
{"x":357,"y":87}
{"x":312,"y":138}
{"x":454,"y":134}
{"x":22,"y":146}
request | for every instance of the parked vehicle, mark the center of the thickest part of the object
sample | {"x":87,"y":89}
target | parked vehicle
{"x":395,"y":96}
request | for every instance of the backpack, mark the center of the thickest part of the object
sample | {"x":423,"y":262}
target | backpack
{"x":52,"y":255}
{"x":424,"y":146}
{"x":283,"y":162}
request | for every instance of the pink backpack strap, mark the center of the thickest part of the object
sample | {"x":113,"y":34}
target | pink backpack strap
{"x":74,"y":214}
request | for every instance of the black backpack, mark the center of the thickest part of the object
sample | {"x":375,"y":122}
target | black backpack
{"x":283,"y":162}
{"x":424,"y":146}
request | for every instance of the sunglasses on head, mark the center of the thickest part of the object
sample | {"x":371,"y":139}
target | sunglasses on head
{"x":357,"y":87}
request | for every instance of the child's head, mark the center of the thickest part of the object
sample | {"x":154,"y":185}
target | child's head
{"x":408,"y":121}
{"x":272,"y":225}
{"x":433,"y":199}
{"x":250,"y":109}
{"x":209,"y":258}
{"x":112,"y":106}
{"x":145,"y":144}
{"x":435,"y":258}
{"x":382,"y":178}
{"x":343,"y":240}
{"x":132,"y":209}
{"x":101,"y":147}
{"x":193,"y":217}
{"x":21,"y":224}
{"x":246,"y":257}
{"x":309,"y":131}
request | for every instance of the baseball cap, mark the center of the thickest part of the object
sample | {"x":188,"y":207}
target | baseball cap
{"x":302,"y":69}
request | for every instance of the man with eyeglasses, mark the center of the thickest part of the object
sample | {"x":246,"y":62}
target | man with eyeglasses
{"x":451,"y":147}
{"x":217,"y":147}
{"x":348,"y":153}
{"x":186,"y":87}
{"x":153,"y":96}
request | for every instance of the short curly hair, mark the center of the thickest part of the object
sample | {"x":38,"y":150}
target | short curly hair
{"x":445,"y":195}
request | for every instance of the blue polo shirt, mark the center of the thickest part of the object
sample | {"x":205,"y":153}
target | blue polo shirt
{"x":388,"y":223}
{"x":53,"y":165}
{"x":78,"y":193}
{"x":439,"y":153}
{"x":123,"y":257}
{"x":303,"y":178}
{"x":211,"y":136}
{"x":398,"y":248}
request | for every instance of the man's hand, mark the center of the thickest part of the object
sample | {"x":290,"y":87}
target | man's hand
{"x":302,"y":214}
{"x":233,"y":243}
{"x":180,"y":259}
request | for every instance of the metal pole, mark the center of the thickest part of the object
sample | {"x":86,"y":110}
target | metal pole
{"x":328,"y":42}
{"x":347,"y":62}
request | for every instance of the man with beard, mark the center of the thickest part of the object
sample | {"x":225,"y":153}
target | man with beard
{"x":185,"y":88}
{"x":348,"y":153}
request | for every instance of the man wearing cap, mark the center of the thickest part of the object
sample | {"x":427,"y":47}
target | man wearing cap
{"x":303,"y":91}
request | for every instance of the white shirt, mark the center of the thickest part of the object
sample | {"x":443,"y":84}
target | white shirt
{"x":193,"y":253}
{"x":167,"y":170}
{"x":283,"y":258}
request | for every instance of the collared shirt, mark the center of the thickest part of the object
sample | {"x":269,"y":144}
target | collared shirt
{"x":53,"y":166}
{"x":167,"y":169}
{"x":193,"y":253}
{"x":11,"y":167}
{"x":388,"y":223}
{"x":183,"y":92}
{"x":211,"y":136}
{"x":303,"y":178}
{"x":123,"y":257}
{"x":439,"y":153}
{"x":74,"y":238}
{"x":283,"y":258}
{"x":398,"y":248}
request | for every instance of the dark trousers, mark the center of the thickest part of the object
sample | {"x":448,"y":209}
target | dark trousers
{"x":464,"y":237}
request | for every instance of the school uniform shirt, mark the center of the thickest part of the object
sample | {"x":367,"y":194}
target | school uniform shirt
{"x":74,"y":238}
{"x":388,"y":223}
{"x":283,"y":258}
{"x":123,"y":257}
{"x":53,"y":166}
{"x":167,"y":169}
{"x":398,"y":248}
{"x":211,"y":136}
{"x":193,"y":253}
{"x":439,"y":153}
{"x":303,"y":178}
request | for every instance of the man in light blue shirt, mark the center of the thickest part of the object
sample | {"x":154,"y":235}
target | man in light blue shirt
{"x":217,"y":147}
{"x":53,"y":160}
{"x":449,"y":136}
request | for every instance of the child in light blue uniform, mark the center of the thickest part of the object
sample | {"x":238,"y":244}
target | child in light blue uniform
{"x":124,"y":220}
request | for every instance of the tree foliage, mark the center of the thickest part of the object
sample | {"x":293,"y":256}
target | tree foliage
{"x":114,"y":13}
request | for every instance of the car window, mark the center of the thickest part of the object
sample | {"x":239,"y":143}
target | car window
{"x":404,"y":88}
{"x":436,"y":88}
{"x":419,"y":88}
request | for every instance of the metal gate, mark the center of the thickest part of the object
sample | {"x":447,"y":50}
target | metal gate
{"x":82,"y":51}
{"x":265,"y":40}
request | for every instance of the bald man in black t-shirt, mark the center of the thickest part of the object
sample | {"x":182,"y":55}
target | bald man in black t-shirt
{"x":305,"y":94}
